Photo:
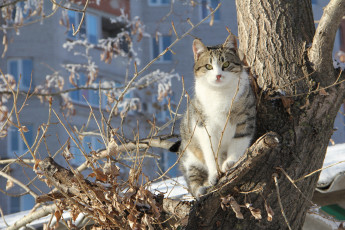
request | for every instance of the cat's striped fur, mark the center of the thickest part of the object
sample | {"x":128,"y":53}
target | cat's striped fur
{"x":221,"y":83}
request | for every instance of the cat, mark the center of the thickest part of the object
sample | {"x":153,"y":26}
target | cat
{"x":221,"y":83}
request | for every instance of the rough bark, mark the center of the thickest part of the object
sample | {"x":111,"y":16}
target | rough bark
{"x":275,"y":37}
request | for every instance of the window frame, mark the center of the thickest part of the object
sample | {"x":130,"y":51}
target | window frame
{"x":21,"y":147}
{"x":89,"y":92}
{"x":158,"y":3}
{"x":20,"y":72}
{"x":85,"y":25}
{"x":162,"y":59}
{"x":208,"y":2}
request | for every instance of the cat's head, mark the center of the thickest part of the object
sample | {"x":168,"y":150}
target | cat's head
{"x":218,"y":66}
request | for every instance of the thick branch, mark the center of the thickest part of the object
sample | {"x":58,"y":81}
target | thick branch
{"x":260,"y":148}
{"x":321,"y":51}
{"x":45,"y":210}
{"x":145,"y":143}
{"x":200,"y":215}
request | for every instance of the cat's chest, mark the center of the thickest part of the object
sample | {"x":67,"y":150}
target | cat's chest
{"x":215,"y":106}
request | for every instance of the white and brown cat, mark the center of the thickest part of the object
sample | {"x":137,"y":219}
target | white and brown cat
{"x":221,"y":84}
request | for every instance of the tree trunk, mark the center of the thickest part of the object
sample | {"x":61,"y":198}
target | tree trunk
{"x":294,"y":100}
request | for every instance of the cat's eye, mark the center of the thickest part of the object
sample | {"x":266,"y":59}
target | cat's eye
{"x":226,"y":64}
{"x":208,"y":66}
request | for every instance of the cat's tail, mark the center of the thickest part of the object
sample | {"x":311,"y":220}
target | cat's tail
{"x":175,"y":147}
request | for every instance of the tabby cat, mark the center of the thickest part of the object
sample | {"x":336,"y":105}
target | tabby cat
{"x":221,"y":84}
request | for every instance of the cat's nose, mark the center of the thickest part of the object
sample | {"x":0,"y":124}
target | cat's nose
{"x":218,"y":77}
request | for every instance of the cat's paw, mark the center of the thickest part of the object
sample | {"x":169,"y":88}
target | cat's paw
{"x":227,"y":165}
{"x":200,"y":191}
{"x":213,"y":179}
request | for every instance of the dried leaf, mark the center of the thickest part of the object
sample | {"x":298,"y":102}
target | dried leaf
{"x":5,"y":43}
{"x":9,"y":184}
{"x":71,"y":79}
{"x":58,"y":215}
{"x":269,"y":211}
{"x":212,"y":18}
{"x":24,"y":129}
{"x":287,"y":102}
{"x":100,"y":176}
{"x":236,"y":208}
{"x":132,"y":221}
{"x":323,"y":92}
{"x":225,"y":202}
{"x":36,"y":168}
{"x":146,"y":221}
{"x":254,"y":211}
{"x":75,"y":213}
{"x":112,"y":147}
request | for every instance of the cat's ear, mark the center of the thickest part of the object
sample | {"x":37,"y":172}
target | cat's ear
{"x":198,"y":48}
{"x":230,"y":42}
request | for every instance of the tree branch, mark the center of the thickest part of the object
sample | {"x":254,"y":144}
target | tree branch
{"x":45,"y":210}
{"x":320,"y":52}
{"x":26,"y":188}
{"x":200,"y":213}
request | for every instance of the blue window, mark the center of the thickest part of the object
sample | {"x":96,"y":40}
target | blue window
{"x":159,"y":46}
{"x":92,"y":29}
{"x":159,"y":2}
{"x":27,"y":202}
{"x":22,"y":203}
{"x":21,"y":69}
{"x":83,"y":95}
{"x":206,"y":5}
{"x":89,"y":143}
{"x":16,"y":145}
{"x":88,"y":29}
{"x":14,"y":204}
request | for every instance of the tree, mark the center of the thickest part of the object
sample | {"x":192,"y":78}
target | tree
{"x":299,"y":93}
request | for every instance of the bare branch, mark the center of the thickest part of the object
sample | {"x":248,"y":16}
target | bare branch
{"x":45,"y":210}
{"x":279,"y":200}
{"x":26,"y":188}
{"x":321,"y":51}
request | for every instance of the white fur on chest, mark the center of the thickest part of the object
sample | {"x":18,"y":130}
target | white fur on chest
{"x":216,"y":101}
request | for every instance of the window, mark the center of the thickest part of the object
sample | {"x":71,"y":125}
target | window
{"x":16,"y":145}
{"x":114,"y":29}
{"x":22,"y":203}
{"x":88,"y":29}
{"x":159,"y":46}
{"x":205,"y":8}
{"x":14,"y":204}
{"x":79,"y":96}
{"x":89,"y":143}
{"x":160,"y":108}
{"x":21,"y":69}
{"x":21,"y":11}
{"x":159,"y":2}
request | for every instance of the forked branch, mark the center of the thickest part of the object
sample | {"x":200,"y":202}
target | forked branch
{"x":320,"y":53}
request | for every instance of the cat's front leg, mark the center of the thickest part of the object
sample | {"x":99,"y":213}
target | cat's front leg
{"x":236,"y":150}
{"x":209,"y":155}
